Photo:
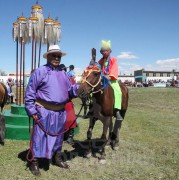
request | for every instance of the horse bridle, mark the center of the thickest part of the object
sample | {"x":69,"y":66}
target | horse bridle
{"x":93,"y":86}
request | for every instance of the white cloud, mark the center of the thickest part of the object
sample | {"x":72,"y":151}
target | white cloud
{"x":126,"y":55}
{"x":127,"y":64}
{"x":159,"y":65}
{"x":168,"y":64}
{"x":129,"y":68}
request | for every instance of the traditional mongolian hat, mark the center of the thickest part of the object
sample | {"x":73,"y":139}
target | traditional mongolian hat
{"x":54,"y":49}
{"x":105,"y":45}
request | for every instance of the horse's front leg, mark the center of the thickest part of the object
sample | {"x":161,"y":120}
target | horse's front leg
{"x":106,"y":122}
{"x":115,"y":134}
{"x":110,"y":134}
{"x":88,"y":152}
{"x":2,"y":129}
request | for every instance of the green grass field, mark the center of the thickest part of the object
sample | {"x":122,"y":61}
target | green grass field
{"x":149,"y":144}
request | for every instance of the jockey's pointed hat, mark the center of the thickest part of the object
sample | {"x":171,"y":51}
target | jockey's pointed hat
{"x":54,"y":49}
{"x":105,"y":45}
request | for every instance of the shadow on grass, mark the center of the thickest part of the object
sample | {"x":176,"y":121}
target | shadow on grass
{"x":2,"y":143}
{"x":81,"y":147}
{"x":83,"y":116}
{"x":43,"y":163}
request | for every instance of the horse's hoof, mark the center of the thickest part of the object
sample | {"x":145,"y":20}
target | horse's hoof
{"x":102,"y":161}
{"x":116,"y":148}
{"x":115,"y":145}
{"x":108,"y":143}
{"x":88,"y":155}
{"x":107,"y":146}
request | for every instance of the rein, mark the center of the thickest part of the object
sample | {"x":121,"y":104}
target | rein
{"x":48,"y":133}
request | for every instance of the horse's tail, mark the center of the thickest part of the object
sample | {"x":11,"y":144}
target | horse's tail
{"x":5,"y":97}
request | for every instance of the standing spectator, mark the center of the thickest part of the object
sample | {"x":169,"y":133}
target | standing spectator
{"x":48,"y":90}
{"x":71,"y":72}
{"x":71,"y":117}
{"x":11,"y":95}
{"x":177,"y":80}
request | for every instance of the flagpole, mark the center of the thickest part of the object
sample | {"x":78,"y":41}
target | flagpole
{"x":20,"y":70}
{"x":23,"y":73}
{"x":35,"y":50}
{"x":39,"y":52}
{"x":32,"y":64}
{"x":17,"y":72}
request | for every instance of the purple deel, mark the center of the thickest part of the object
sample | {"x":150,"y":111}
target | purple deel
{"x":52,"y":85}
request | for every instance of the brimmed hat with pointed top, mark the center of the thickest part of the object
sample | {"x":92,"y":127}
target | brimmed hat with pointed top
{"x":105,"y":44}
{"x":54,"y":49}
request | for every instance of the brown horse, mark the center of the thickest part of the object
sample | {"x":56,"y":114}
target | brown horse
{"x":3,"y":101}
{"x":103,"y":102}
{"x":3,"y":95}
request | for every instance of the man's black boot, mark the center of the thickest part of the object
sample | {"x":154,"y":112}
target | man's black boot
{"x":34,"y":167}
{"x":59,"y":162}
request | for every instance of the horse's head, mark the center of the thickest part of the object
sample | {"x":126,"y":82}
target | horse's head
{"x":91,"y":80}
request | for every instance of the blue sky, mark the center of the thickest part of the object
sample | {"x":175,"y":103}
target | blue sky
{"x":143,"y":33}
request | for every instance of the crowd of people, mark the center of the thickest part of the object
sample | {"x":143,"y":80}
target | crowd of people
{"x":9,"y":85}
{"x":168,"y":83}
{"x":14,"y":81}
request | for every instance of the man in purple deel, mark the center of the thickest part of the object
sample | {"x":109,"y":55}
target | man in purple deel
{"x":48,"y":90}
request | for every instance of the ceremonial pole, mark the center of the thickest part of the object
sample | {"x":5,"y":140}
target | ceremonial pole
{"x":23,"y":72}
{"x":40,"y":45}
{"x":48,"y":31}
{"x":36,"y":26}
{"x":15,"y":38}
{"x":20,"y":97}
{"x":23,"y":39}
{"x":37,"y":31}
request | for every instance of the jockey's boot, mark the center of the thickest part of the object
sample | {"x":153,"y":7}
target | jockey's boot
{"x":118,"y":116}
{"x":70,"y":137}
{"x":59,"y":162}
{"x":34,"y":167}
